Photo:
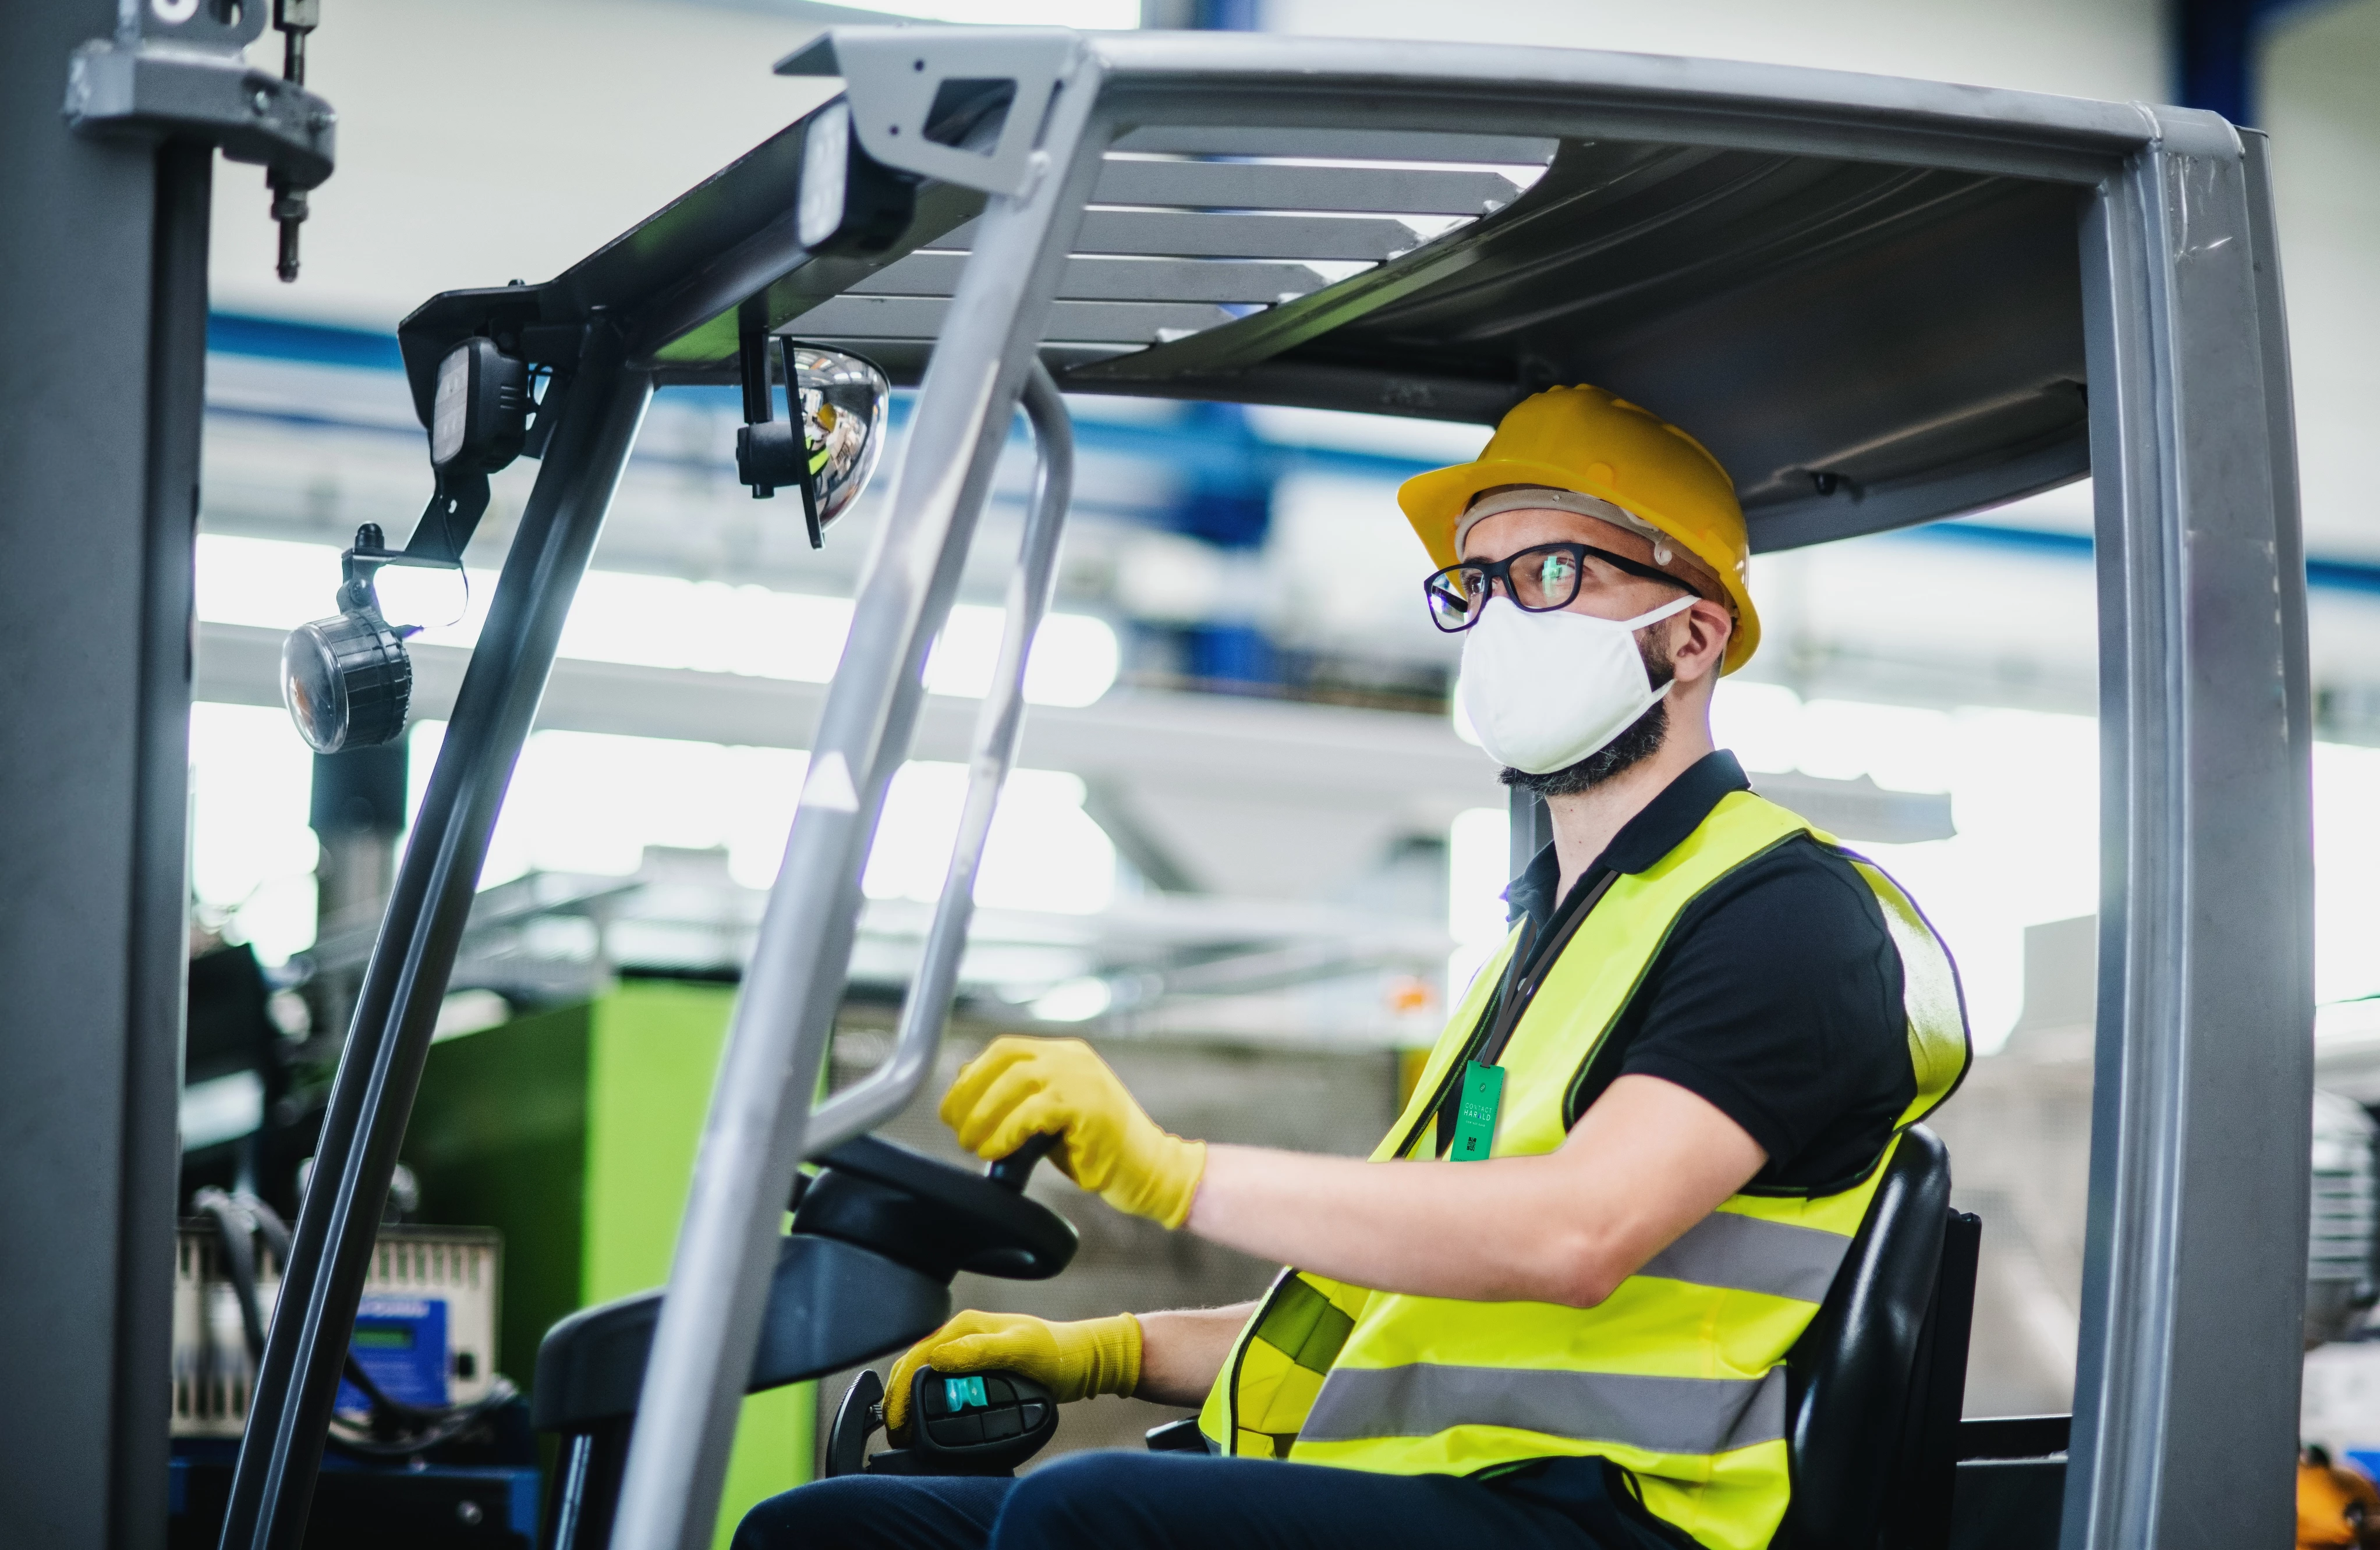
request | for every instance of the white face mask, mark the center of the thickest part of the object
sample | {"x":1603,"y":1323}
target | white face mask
{"x":1545,"y":690}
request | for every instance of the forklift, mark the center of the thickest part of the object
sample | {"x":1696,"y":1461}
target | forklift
{"x":1880,"y":302}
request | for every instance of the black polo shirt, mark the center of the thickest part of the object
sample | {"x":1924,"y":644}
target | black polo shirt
{"x":1777,"y":998}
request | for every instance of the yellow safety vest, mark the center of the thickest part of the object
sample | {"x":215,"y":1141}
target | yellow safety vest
{"x":1678,"y":1375}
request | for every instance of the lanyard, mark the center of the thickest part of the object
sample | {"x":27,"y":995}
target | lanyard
{"x":1467,"y":1114}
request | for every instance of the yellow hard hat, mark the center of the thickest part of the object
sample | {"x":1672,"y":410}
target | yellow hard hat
{"x":1585,"y":439}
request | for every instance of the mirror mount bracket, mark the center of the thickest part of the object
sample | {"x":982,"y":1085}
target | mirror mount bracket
{"x":771,"y":453}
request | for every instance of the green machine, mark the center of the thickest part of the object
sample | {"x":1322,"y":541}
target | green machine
{"x":574,"y":1131}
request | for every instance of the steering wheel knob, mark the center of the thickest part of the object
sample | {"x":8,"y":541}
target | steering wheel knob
{"x":1012,"y":1171}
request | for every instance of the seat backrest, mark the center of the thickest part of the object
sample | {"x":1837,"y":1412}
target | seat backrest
{"x":830,"y":1306}
{"x":1854,"y":1405}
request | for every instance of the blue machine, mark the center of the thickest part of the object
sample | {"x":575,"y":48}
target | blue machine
{"x":401,"y":1343}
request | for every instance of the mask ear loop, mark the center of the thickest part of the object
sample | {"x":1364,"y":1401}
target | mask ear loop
{"x":1675,"y":605}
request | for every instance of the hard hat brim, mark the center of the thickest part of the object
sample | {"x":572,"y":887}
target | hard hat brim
{"x":1433,"y":503}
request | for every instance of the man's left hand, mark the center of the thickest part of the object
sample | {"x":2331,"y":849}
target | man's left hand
{"x":1021,"y":1087}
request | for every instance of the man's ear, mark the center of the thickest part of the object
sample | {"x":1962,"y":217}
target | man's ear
{"x":1703,"y":647}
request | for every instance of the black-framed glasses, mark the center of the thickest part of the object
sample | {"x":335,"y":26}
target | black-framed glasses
{"x":1538,"y":580}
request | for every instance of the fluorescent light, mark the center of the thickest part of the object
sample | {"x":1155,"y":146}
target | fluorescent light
{"x":661,"y":620}
{"x":591,"y":802}
{"x":1044,"y":853}
{"x":1075,"y":661}
{"x":1075,"y":658}
{"x":1074,"y":1000}
{"x":251,"y":855}
{"x":1397,"y":436}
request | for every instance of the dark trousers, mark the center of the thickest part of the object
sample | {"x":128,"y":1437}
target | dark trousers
{"x":1145,"y":1501}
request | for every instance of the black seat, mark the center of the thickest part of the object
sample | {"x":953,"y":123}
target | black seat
{"x":1874,"y":1385}
{"x":831,"y":1304}
{"x":876,"y":1238}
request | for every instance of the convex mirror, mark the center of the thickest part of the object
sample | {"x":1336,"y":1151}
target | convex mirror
{"x":840,"y":402}
{"x":844,"y":401}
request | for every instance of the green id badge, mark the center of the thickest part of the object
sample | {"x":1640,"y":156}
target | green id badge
{"x":1475,"y":1122}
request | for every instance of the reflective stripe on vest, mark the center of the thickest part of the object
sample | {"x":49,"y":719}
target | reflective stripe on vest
{"x":1659,"y":1415}
{"x":1745,"y":1253}
{"x":1678,"y":1375}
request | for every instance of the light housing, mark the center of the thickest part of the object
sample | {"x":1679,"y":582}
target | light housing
{"x":346,"y":680}
{"x":478,"y":416}
{"x":847,"y":201}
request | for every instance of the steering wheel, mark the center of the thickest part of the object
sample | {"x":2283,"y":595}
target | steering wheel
{"x":934,"y":1217}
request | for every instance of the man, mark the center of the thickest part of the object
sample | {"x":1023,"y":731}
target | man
{"x":1553,"y":1309}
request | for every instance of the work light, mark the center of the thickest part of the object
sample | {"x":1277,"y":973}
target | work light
{"x":346,"y":680}
{"x":478,"y":415}
{"x":826,"y":168}
{"x":849,"y":202}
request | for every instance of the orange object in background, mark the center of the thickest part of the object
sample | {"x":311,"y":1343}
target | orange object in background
{"x":2336,"y":1506}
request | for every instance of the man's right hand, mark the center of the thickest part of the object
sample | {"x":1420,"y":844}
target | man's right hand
{"x":1072,"y":1360}
{"x":1021,"y":1088}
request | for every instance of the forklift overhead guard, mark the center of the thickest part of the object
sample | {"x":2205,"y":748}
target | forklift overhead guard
{"x":1876,"y":302}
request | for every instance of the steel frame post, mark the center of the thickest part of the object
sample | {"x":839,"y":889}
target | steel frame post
{"x":380,"y":1071}
{"x":102,"y":368}
{"x":758,"y":1128}
{"x":998,"y":726}
{"x":2193,"y":1288}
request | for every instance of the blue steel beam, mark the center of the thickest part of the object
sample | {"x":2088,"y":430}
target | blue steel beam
{"x":2215,"y":45}
{"x":1224,"y":464}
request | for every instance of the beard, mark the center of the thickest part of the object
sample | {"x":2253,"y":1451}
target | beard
{"x":1641,"y":740}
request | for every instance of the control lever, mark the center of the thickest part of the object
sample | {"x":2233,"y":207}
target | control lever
{"x":983,"y":1424}
{"x":979,"y":1424}
{"x":856,"y":1419}
{"x":1011,"y":1172}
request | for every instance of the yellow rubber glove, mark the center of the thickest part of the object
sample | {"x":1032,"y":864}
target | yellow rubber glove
{"x":1072,"y":1360}
{"x":1021,"y":1087}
